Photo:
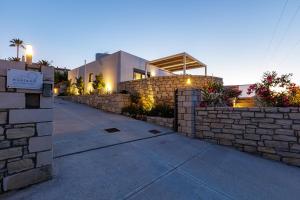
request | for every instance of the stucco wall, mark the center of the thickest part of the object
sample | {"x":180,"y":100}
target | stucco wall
{"x":25,"y":133}
{"x":162,"y":88}
{"x":108,"y":66}
{"x":116,"y":67}
{"x":130,"y":62}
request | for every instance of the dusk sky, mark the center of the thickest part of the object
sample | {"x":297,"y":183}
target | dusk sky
{"x":237,"y":39}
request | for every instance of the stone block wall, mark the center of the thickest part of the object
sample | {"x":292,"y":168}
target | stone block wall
{"x":161,"y":121}
{"x":110,"y":102}
{"x":273,"y":133}
{"x":162,"y":88}
{"x":187,"y":100}
{"x":25,"y":133}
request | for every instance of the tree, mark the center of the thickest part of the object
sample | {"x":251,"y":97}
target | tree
{"x":79,"y":85}
{"x":69,"y":87}
{"x":98,"y":83}
{"x":44,"y":63}
{"x":17,"y":43}
{"x":14,"y":59}
{"x":60,"y":77}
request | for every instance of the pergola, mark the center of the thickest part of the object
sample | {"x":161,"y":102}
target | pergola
{"x":178,"y":62}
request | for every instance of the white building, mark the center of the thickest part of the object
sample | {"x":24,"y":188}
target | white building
{"x":122,"y":66}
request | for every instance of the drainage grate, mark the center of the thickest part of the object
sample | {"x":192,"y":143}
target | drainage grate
{"x":154,"y":131}
{"x":112,"y":130}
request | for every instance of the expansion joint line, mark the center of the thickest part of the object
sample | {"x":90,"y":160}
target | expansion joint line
{"x":143,"y":187}
{"x":112,"y":145}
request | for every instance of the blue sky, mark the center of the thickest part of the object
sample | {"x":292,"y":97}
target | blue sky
{"x":233,"y":37}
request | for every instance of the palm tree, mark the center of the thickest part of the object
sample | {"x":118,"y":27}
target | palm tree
{"x":14,"y":59}
{"x":17,"y":43}
{"x":44,"y":63}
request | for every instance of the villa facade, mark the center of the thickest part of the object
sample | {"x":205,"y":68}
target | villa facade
{"x":122,"y":66}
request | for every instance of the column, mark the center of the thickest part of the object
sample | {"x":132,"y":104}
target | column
{"x":184,"y":64}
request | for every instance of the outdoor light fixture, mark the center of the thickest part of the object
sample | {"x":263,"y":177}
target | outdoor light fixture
{"x":28,"y":54}
{"x":188,"y":81}
{"x":108,"y":88}
{"x":55,"y":90}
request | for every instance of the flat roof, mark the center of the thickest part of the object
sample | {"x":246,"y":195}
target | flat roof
{"x":176,"y":62}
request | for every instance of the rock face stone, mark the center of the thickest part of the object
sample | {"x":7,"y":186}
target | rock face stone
{"x":45,"y":128}
{"x":110,"y":103}
{"x":19,"y":165}
{"x":37,"y":144}
{"x":2,"y":84}
{"x":12,"y":100}
{"x":14,"y":133}
{"x":10,"y":153}
{"x":44,"y":158}
{"x":162,"y":88}
{"x":3,"y":117}
{"x":32,"y":115}
{"x":27,"y":178}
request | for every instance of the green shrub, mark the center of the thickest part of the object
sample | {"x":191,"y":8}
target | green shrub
{"x":135,"y":97}
{"x":161,"y":110}
{"x":133,"y":110}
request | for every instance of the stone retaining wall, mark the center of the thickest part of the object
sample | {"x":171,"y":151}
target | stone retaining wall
{"x":110,"y":102}
{"x":273,"y":133}
{"x":25,"y":133}
{"x":162,"y":88}
{"x":161,"y":121}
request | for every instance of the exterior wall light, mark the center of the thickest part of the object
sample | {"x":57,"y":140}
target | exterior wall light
{"x":55,"y":90}
{"x":152,"y":73}
{"x":108,"y":88}
{"x":90,"y":88}
{"x":188,"y":81}
{"x":28,"y":54}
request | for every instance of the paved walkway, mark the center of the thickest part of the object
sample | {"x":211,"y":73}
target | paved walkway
{"x":135,"y":164}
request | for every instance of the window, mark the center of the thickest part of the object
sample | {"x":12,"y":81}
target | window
{"x":90,"y":77}
{"x":139,"y":74}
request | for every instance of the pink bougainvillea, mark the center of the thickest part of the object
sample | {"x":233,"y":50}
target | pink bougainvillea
{"x":274,"y":90}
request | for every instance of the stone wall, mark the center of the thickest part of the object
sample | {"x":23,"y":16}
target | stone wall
{"x":162,"y":88}
{"x":187,"y":100}
{"x":25,"y":133}
{"x":161,"y":121}
{"x":273,"y":133}
{"x":110,"y":102}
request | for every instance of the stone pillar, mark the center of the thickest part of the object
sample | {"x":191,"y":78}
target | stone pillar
{"x":188,"y":99}
{"x":25,"y":130}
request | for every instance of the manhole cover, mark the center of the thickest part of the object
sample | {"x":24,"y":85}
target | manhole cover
{"x":154,"y":131}
{"x":112,"y":130}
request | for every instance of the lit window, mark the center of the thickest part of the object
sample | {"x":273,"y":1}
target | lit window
{"x":139,"y":74}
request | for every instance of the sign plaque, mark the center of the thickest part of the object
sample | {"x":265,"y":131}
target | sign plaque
{"x":22,"y":79}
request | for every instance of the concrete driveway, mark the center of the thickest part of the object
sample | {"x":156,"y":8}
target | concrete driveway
{"x":90,"y":163}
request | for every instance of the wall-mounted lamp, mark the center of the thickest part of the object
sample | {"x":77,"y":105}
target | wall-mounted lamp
{"x":108,"y":88}
{"x":188,"y":81}
{"x":28,"y":54}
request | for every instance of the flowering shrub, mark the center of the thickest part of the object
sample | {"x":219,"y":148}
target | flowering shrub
{"x":214,"y":94}
{"x":276,"y":90}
